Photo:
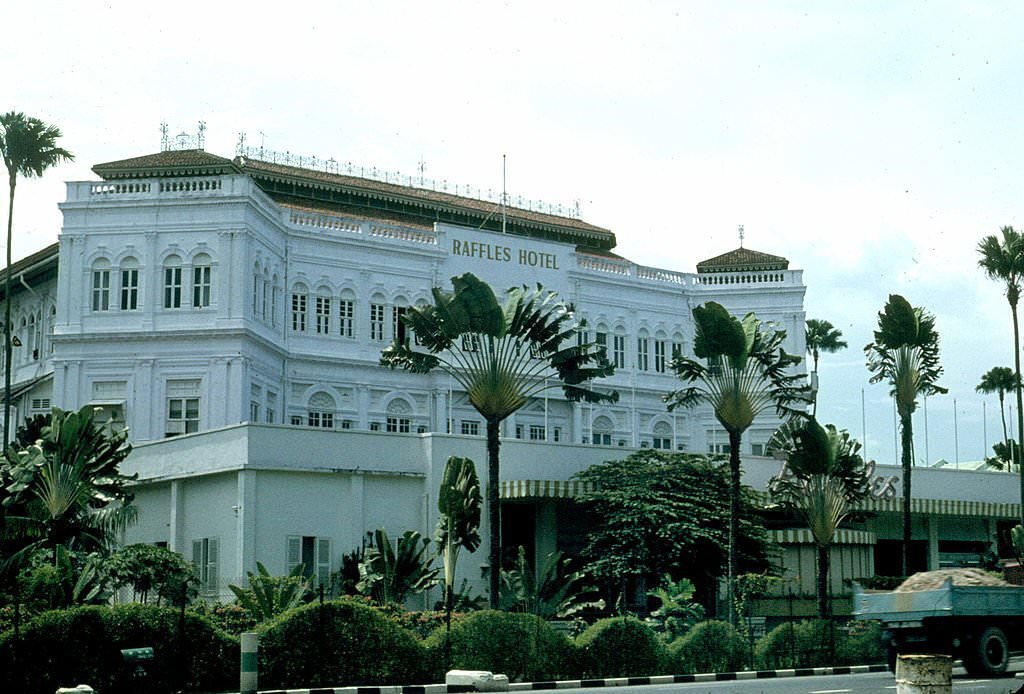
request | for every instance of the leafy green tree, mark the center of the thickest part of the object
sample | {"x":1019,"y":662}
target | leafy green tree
{"x":905,"y":354}
{"x":826,"y":477}
{"x":66,"y":490}
{"x":29,"y":148}
{"x":821,"y":336}
{"x":390,"y":574}
{"x":658,"y":513}
{"x":149,"y":569}
{"x":268,"y":596}
{"x":741,"y":371}
{"x":1003,"y":261}
{"x":458,"y":525}
{"x":999,"y":380}
{"x":501,"y":354}
{"x":677,"y":611}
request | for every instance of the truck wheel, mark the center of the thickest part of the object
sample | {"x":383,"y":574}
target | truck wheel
{"x":989,"y":655}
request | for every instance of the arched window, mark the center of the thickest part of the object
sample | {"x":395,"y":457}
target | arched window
{"x":275,"y":289}
{"x":643,"y":351}
{"x":172,"y":282}
{"x":377,"y":318}
{"x":601,"y":431}
{"x":663,"y":436}
{"x":300,"y":297}
{"x":129,"y":284}
{"x":49,"y":328}
{"x":619,"y":348}
{"x":101,"y":285}
{"x":202,"y":280}
{"x":661,"y":358}
{"x":321,"y":411}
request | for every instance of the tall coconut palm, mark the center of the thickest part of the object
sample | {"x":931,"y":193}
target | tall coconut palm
{"x":999,"y":380}
{"x":1003,"y":261}
{"x":29,"y":148}
{"x":741,"y":371}
{"x":905,"y":354}
{"x":821,"y":336}
{"x":501,"y":354}
{"x":825,"y":476}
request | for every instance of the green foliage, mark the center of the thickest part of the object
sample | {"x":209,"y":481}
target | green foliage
{"x":777,"y":650}
{"x":231,"y":618}
{"x":459,"y":505}
{"x":345,"y":580}
{"x":83,"y":645}
{"x":620,"y":647}
{"x":661,"y":513}
{"x":747,"y":589}
{"x":677,"y":611}
{"x":151,"y":569}
{"x":340,"y":643}
{"x":557,"y":592}
{"x":268,"y":596}
{"x":391,"y":574}
{"x":523,"y":646}
{"x":863,"y":643}
{"x":711,"y":646}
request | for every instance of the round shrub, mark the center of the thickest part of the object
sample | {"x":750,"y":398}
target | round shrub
{"x":83,"y":645}
{"x":522,"y":646}
{"x":339,"y":643}
{"x":819,"y":642}
{"x":620,"y":647}
{"x":777,"y":649}
{"x":863,"y":643}
{"x":711,"y":646}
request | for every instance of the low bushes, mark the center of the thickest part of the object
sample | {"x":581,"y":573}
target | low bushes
{"x":711,"y":646}
{"x":339,"y":643}
{"x":620,"y":647}
{"x":522,"y":646}
{"x":817,"y":643}
{"x":66,"y":647}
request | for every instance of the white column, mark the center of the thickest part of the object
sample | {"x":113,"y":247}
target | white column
{"x":175,"y":538}
{"x":245,"y":513}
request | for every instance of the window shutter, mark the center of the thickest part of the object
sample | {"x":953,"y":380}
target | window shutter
{"x":197,"y":557}
{"x":294,"y":553}
{"x":323,"y":562}
{"x":213,"y":556}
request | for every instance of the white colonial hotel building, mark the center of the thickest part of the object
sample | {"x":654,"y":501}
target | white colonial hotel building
{"x":231,"y":314}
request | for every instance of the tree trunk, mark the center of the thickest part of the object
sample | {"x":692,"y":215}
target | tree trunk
{"x":7,"y":317}
{"x":734,"y":520}
{"x":907,"y":456}
{"x":1020,"y":405}
{"x":493,"y":511}
{"x":1002,"y":416}
{"x":823,"y":600}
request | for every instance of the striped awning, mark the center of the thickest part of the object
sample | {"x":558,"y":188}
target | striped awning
{"x":943,"y":507}
{"x":843,"y":536}
{"x":543,"y":489}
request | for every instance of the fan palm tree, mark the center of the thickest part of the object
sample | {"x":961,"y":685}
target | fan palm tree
{"x":1003,"y":261}
{"x":501,"y":354}
{"x":29,"y":148}
{"x":905,"y":354}
{"x":65,"y":491}
{"x":741,"y":371}
{"x":999,"y":380}
{"x":825,"y":477}
{"x":821,"y":336}
{"x":458,"y":527}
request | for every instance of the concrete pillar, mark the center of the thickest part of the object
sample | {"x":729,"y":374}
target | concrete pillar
{"x":933,"y":542}
{"x":924,"y":674}
{"x":175,"y":535}
{"x":248,"y":675}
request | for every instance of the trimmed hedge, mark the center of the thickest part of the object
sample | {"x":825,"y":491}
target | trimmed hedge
{"x":817,"y":643}
{"x":711,"y":646}
{"x":522,"y":646}
{"x":63,"y":648}
{"x":339,"y":643}
{"x":620,"y":647}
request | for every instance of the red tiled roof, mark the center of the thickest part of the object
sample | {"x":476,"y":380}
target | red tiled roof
{"x":743,"y":259}
{"x":185,"y":162}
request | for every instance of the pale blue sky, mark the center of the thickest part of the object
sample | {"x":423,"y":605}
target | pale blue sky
{"x":873,"y":144}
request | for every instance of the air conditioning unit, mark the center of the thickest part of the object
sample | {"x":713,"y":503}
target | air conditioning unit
{"x":175,"y":426}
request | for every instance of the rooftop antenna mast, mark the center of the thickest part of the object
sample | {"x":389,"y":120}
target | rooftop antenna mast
{"x":504,"y":194}
{"x":741,"y":236}
{"x":201,"y":135}
{"x":165,"y":139}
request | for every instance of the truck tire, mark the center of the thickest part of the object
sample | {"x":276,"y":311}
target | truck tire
{"x":989,"y":654}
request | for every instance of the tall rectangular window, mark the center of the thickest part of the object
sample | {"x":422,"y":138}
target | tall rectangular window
{"x":346,"y":318}
{"x":377,"y":322}
{"x":129,"y":290}
{"x":172,"y":287}
{"x":101,"y":290}
{"x":537,"y":432}
{"x":265,"y":288}
{"x":619,"y":351}
{"x":182,"y":407}
{"x":642,"y":353}
{"x":399,"y":425}
{"x":299,"y":312}
{"x":256,"y":296}
{"x":397,"y":326}
{"x":659,"y":356}
{"x":323,"y":315}
{"x":470,"y":427}
{"x":320,"y":419}
{"x":314,"y":553}
{"x":201,"y":275}
{"x":205,"y":556}
{"x":271,"y":406}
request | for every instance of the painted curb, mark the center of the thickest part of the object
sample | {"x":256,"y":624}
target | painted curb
{"x":607,"y":682}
